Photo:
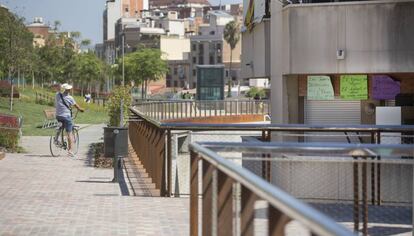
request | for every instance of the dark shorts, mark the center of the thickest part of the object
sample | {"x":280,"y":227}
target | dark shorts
{"x":66,"y":122}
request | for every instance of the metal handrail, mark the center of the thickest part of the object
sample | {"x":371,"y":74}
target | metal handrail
{"x":295,"y":209}
{"x":310,"y":149}
{"x":275,"y":127}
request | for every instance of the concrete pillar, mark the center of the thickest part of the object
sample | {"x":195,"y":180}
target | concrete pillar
{"x":278,"y":82}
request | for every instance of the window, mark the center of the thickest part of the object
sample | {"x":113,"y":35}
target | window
{"x":212,"y":32}
{"x":201,"y":60}
{"x":168,"y":83}
{"x":194,"y":72}
{"x":182,"y":84}
{"x":175,"y":71}
{"x":194,"y":47}
{"x":175,"y":84}
{"x":227,"y":73}
{"x":211,"y":60}
{"x":218,"y":46}
{"x":219,"y":60}
{"x":194,"y":60}
{"x":201,"y":48}
{"x":194,"y":85}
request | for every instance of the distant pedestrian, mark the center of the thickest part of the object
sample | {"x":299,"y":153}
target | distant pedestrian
{"x":88,"y":98}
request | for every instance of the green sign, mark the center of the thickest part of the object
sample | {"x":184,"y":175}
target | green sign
{"x":320,"y":88}
{"x":354,"y":87}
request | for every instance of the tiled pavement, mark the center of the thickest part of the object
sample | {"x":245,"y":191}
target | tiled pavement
{"x":42,"y":195}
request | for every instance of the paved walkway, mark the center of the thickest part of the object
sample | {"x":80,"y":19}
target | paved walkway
{"x":43,"y":195}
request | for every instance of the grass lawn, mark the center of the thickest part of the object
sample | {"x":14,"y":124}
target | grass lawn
{"x":33,"y":116}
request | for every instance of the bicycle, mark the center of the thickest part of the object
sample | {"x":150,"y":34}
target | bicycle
{"x":58,"y":141}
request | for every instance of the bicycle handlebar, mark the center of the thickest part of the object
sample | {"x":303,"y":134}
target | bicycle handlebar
{"x":74,"y":116}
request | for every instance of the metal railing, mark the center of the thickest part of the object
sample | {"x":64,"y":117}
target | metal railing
{"x":143,"y":130}
{"x":218,"y":180}
{"x":160,"y":145}
{"x":220,"y":174}
{"x":179,"y":109}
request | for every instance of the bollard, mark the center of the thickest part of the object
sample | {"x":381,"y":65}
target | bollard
{"x":116,"y":164}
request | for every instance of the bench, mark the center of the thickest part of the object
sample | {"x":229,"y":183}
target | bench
{"x":50,"y":119}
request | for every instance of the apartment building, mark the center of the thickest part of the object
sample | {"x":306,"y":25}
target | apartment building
{"x":210,"y":48}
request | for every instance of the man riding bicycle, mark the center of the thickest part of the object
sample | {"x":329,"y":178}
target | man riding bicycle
{"x":64,"y":103}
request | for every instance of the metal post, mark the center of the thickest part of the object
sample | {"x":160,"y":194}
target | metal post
{"x":169,"y":163}
{"x":364,"y":198}
{"x":373,"y":173}
{"x":356,"y":196}
{"x":116,"y":160}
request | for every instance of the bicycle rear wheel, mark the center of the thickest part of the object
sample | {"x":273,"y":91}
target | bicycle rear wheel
{"x":57,"y":144}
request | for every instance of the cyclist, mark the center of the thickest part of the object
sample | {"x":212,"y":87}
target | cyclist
{"x":64,"y":103}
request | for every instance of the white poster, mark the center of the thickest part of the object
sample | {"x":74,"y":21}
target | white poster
{"x":389,"y":116}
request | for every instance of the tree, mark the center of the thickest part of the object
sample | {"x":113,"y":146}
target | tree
{"x":232,"y":37}
{"x":143,"y":66}
{"x":16,"y":44}
{"x":89,"y":69}
{"x":256,"y":93}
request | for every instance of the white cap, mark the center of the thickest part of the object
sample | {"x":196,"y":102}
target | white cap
{"x":65,"y":86}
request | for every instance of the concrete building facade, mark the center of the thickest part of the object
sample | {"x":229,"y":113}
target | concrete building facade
{"x":210,"y":48}
{"x":334,"y":39}
{"x":40,"y":31}
{"x":176,"y":51}
{"x":352,"y":39}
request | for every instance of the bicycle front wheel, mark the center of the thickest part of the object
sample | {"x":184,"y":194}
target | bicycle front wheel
{"x":56,"y":144}
{"x":75,"y":145}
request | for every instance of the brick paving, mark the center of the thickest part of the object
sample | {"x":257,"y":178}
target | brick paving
{"x":43,"y":195}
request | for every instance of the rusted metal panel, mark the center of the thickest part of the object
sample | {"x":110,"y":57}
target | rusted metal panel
{"x":219,"y":119}
{"x":207,"y":199}
{"x":225,"y":205}
{"x":248,"y":200}
{"x":277,"y":221}
{"x":148,"y":142}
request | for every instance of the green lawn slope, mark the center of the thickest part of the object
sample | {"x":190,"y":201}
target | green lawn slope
{"x":33,"y":116}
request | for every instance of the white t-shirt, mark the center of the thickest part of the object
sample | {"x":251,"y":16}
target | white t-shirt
{"x":61,"y":109}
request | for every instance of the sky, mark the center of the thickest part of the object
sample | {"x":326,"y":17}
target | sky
{"x":84,"y":16}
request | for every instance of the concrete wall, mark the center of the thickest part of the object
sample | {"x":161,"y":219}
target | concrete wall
{"x":377,"y":37}
{"x":254,"y":56}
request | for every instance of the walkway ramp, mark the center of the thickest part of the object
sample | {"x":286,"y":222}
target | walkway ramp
{"x":43,"y":195}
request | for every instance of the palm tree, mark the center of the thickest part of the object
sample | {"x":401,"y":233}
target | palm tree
{"x":232,"y":37}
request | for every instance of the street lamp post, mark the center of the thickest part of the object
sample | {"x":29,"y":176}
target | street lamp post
{"x":123,"y":59}
{"x":121,"y":121}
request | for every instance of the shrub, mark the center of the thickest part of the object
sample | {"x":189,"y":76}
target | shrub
{"x":9,"y":138}
{"x":114,"y":104}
